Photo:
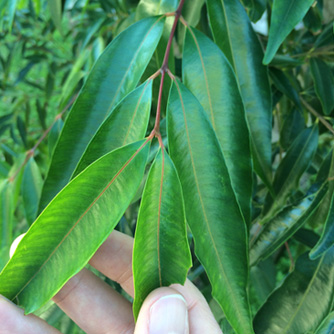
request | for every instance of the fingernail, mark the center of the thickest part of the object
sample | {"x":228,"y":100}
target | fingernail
{"x":169,"y":315}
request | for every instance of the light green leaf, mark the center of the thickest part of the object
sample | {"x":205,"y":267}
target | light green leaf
{"x":327,"y":326}
{"x":147,"y":8}
{"x":114,"y":75}
{"x":285,"y":16}
{"x":294,"y":164}
{"x":325,"y":215}
{"x":323,"y":79}
{"x":72,"y":227}
{"x":126,"y":123}
{"x":284,"y":225}
{"x":11,"y":13}
{"x":212,"y":211}
{"x":55,"y":7}
{"x":304,"y":299}
{"x":233,"y":33}
{"x":31,"y":188}
{"x":161,"y":253}
{"x":208,"y":75}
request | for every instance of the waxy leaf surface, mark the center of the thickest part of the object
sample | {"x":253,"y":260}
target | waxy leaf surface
{"x":327,"y":326}
{"x":161,"y":253}
{"x":233,"y":33}
{"x":285,"y":16}
{"x":212,"y":210}
{"x":114,"y":75}
{"x":127,"y":123}
{"x":304,"y":299}
{"x":72,"y":227}
{"x":214,"y":85}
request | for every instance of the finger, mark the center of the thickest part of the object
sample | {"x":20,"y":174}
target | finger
{"x":94,"y":305}
{"x":13,"y":321}
{"x":177,"y":309}
{"x":114,"y":259}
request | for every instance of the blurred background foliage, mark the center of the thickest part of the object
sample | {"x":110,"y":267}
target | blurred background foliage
{"x":47,"y":48}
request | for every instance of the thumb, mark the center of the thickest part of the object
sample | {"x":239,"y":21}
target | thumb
{"x":164,"y":311}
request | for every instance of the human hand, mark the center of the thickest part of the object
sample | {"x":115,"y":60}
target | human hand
{"x":98,"y":309}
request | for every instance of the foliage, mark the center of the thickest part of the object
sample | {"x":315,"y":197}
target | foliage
{"x":182,"y":132}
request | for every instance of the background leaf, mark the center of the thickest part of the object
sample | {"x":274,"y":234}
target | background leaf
{"x":285,"y":16}
{"x":80,"y":217}
{"x":216,"y":89}
{"x":55,"y":7}
{"x":114,"y":75}
{"x":233,"y":33}
{"x":211,"y":208}
{"x":302,"y":301}
{"x":161,"y":253}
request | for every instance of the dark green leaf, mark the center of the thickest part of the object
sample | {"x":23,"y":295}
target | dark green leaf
{"x":283,"y":226}
{"x":284,"y":17}
{"x":72,"y":227}
{"x":161,"y":253}
{"x":255,"y":8}
{"x":209,"y":76}
{"x":304,"y":299}
{"x":54,"y":134}
{"x":212,"y":211}
{"x":294,"y":164}
{"x":233,"y":33}
{"x":126,"y":123}
{"x":324,"y":84}
{"x":114,"y":75}
{"x":327,"y":326}
{"x":31,"y":189}
{"x":293,"y":125}
{"x":22,"y":130}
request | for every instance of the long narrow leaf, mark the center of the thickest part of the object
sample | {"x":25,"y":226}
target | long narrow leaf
{"x":114,"y":75}
{"x":161,"y":253}
{"x":233,"y":33}
{"x":211,"y":208}
{"x":304,"y":299}
{"x":72,"y":227}
{"x":327,"y":326}
{"x":222,"y":102}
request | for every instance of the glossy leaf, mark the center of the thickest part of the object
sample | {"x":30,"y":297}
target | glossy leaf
{"x":161,"y":253}
{"x":155,"y":7}
{"x":255,"y":8}
{"x":280,"y":228}
{"x":294,"y":164}
{"x":327,"y":326}
{"x":323,"y":83}
{"x":233,"y":33}
{"x":114,"y":75}
{"x":325,"y":215}
{"x":212,"y":211}
{"x":215,"y":86}
{"x":31,"y":189}
{"x":126,"y":123}
{"x":72,"y":227}
{"x":304,"y":299}
{"x":285,"y":16}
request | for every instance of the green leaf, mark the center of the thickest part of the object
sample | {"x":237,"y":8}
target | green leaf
{"x":6,"y":219}
{"x":285,"y":16}
{"x":293,"y":125}
{"x":54,"y":134}
{"x":72,"y":227}
{"x":56,"y":12}
{"x":126,"y":123}
{"x":147,"y":8}
{"x":233,"y":33}
{"x":280,"y":228}
{"x":161,"y":253}
{"x":215,"y":86}
{"x":255,"y":8}
{"x":212,"y":211}
{"x":304,"y":299}
{"x":31,"y":188}
{"x":327,"y":326}
{"x":114,"y":75}
{"x":325,"y":215}
{"x":323,"y":79}
{"x":294,"y":164}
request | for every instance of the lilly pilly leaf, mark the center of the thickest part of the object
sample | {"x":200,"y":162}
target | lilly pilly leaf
{"x":72,"y":227}
{"x":212,"y":211}
{"x":215,"y":86}
{"x":304,"y":299}
{"x":114,"y":75}
{"x":161,"y":253}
